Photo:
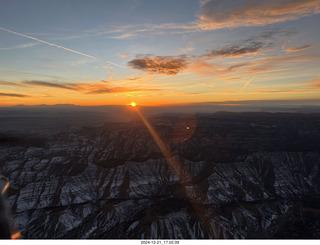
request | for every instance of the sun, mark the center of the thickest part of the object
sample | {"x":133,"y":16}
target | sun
{"x":133,"y":104}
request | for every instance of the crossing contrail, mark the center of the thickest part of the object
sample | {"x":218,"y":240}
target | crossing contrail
{"x":58,"y":46}
{"x":250,"y":80}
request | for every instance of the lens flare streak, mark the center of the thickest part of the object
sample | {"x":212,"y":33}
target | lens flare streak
{"x":165,"y":151}
{"x":196,"y":193}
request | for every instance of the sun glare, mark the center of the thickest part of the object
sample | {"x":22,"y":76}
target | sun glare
{"x":133,"y":104}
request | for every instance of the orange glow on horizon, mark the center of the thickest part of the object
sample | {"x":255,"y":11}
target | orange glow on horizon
{"x":133,"y":104}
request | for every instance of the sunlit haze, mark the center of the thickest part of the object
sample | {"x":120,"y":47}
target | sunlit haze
{"x":158,"y":52}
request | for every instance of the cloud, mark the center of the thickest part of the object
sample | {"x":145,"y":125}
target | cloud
{"x":253,"y":70}
{"x":263,"y":42}
{"x":169,"y":65}
{"x":11,"y":84}
{"x":247,"y":47}
{"x":281,"y":61}
{"x":69,"y":86}
{"x":172,"y":65}
{"x":124,"y":55}
{"x":14,"y":95}
{"x":53,"y":85}
{"x":109,"y":90}
{"x":201,"y":64}
{"x":229,"y":78}
{"x":291,"y":50}
{"x":203,"y":68}
{"x":216,"y":14}
{"x":21,"y":46}
{"x":126,"y":36}
{"x":213,"y":14}
{"x":234,"y":67}
{"x":134,"y":78}
{"x":97,"y":88}
{"x":143,"y":30}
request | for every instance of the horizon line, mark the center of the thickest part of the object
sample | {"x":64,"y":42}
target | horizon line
{"x":203,"y":103}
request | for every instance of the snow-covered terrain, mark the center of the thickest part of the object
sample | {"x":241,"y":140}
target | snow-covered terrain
{"x":242,"y":176}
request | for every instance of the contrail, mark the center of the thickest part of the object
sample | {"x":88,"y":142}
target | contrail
{"x":58,"y":46}
{"x":250,"y":80}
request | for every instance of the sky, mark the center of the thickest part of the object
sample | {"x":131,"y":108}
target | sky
{"x":153,"y":52}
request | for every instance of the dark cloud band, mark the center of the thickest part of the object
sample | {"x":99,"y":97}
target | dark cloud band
{"x":14,"y":95}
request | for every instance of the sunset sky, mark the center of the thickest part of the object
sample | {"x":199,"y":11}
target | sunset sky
{"x":152,"y":52}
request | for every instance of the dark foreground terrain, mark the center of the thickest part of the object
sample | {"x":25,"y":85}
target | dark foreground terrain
{"x":242,"y":175}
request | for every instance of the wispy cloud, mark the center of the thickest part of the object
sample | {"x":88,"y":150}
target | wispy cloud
{"x":280,"y":60}
{"x":258,"y":69}
{"x":236,"y":66}
{"x":53,"y":85}
{"x":216,"y":14}
{"x":14,"y":95}
{"x":247,"y":47}
{"x":124,"y":55}
{"x":134,"y":78}
{"x":49,"y":84}
{"x":108,"y":90}
{"x":229,"y":78}
{"x":204,"y":68}
{"x":291,"y":50}
{"x":265,"y":41}
{"x":143,"y":30}
{"x":98,"y":87}
{"x":21,"y":46}
{"x":11,"y":84}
